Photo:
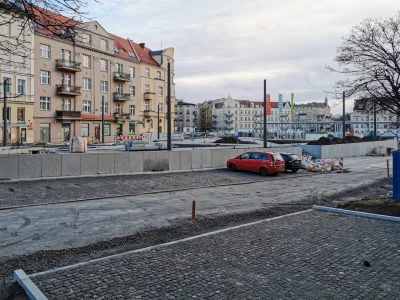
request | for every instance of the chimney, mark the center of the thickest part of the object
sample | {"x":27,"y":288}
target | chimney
{"x":142,"y":45}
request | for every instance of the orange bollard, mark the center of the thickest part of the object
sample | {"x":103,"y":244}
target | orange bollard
{"x":193,"y":210}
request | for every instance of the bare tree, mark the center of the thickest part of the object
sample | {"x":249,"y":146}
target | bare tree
{"x":53,"y":17}
{"x":370,"y":58}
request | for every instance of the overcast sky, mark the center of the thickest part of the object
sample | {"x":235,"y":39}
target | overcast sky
{"x":229,"y":46}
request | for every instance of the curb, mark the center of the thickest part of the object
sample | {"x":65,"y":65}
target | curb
{"x":356,"y":213}
{"x":30,"y":288}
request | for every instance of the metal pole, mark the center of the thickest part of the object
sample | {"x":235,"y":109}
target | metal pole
{"x":374,"y":119}
{"x":265,"y":113}
{"x":344,"y":116}
{"x":102,"y":119}
{"x":169,"y":146}
{"x":158,"y":122}
{"x":5,"y":82}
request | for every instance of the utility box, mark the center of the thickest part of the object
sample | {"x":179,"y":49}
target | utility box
{"x":396,"y":175}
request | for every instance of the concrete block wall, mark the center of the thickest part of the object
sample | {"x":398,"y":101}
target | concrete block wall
{"x":75,"y":164}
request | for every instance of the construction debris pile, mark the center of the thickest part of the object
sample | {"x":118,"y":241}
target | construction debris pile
{"x":318,"y":165}
{"x":348,"y":140}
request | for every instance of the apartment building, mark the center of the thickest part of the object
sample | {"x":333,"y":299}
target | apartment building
{"x":205,"y":116}
{"x":361,"y":114}
{"x":185,"y":117}
{"x":87,"y":66}
{"x":314,"y":111}
{"x":17,"y":68}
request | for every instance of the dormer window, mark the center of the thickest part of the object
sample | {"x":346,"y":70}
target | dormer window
{"x":103,"y":44}
{"x":115,"y":49}
{"x":87,"y":38}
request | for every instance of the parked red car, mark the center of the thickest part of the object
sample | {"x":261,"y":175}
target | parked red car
{"x":265,"y":163}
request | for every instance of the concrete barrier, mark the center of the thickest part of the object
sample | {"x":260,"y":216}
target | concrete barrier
{"x":94,"y":163}
{"x":347,"y":150}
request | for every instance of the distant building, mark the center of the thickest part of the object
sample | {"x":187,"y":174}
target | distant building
{"x":185,"y":117}
{"x":205,"y":116}
{"x":362,"y":113}
{"x":313,"y":111}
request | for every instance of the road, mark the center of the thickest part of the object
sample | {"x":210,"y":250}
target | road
{"x":64,"y":225}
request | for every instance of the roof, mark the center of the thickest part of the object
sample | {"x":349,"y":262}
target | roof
{"x":219,"y":105}
{"x":312,"y":104}
{"x":184,"y":103}
{"x":124,"y":48}
{"x":144,"y":54}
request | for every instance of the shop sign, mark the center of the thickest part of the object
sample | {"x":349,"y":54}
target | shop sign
{"x":107,"y":122}
{"x":119,"y":122}
{"x":14,"y":125}
{"x":132,"y":122}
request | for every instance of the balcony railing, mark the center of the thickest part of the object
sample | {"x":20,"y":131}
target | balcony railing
{"x":214,"y":116}
{"x":67,"y":65}
{"x":68,"y":115}
{"x":68,"y":90}
{"x":149,"y":96}
{"x":148,"y":113}
{"x":228,"y":121}
{"x":118,"y":76}
{"x":228,"y":115}
{"x":121,"y":97}
{"x":229,"y":128}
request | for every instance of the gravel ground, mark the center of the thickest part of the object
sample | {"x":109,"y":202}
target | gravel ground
{"x":45,"y":260}
{"x":59,"y":190}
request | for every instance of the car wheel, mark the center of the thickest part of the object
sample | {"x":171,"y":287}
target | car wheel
{"x":264,"y":171}
{"x":232,"y":167}
{"x":294,"y":170}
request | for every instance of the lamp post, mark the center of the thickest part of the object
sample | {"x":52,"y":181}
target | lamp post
{"x":102,"y":119}
{"x":169,"y":145}
{"x":5,"y":83}
{"x":158,"y":122}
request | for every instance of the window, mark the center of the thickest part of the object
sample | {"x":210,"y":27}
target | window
{"x":85,"y":129}
{"x":147,"y":72}
{"x":87,"y":84}
{"x":119,"y":68}
{"x":160,"y":91}
{"x":23,"y":61}
{"x":66,"y":104}
{"x":87,"y":106}
{"x":105,"y":107}
{"x":87,"y":62}
{"x":103,"y":65}
{"x":87,"y":38}
{"x":255,"y":156}
{"x":151,"y":123}
{"x":66,"y":79}
{"x":107,"y":130}
{"x":104,"y":86}
{"x":132,"y":110}
{"x":147,"y":88}
{"x":132,"y":72}
{"x":119,"y":88}
{"x":66,"y":55}
{"x":21,"y":87}
{"x":20,"y":114}
{"x":44,"y":77}
{"x":245,"y":156}
{"x":7,"y":29}
{"x":158,"y":75}
{"x":160,"y":108}
{"x":132,"y":90}
{"x":118,"y":108}
{"x":147,"y":106}
{"x":45,"y":103}
{"x":104,"y":44}
{"x":8,"y":86}
{"x":45,"y":51}
{"x":8,"y":114}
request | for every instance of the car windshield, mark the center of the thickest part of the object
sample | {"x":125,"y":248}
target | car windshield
{"x":277,"y":156}
{"x":294,"y":157}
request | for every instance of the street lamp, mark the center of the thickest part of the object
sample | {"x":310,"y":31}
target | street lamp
{"x":158,"y":122}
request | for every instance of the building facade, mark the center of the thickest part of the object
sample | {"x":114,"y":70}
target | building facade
{"x":185,"y":117}
{"x":362,"y":114}
{"x":205,"y":116}
{"x":86,"y":67}
{"x":314,"y":111}
{"x":17,"y":71}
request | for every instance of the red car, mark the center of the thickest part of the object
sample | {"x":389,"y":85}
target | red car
{"x":265,"y":163}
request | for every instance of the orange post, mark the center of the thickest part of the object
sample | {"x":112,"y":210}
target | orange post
{"x":387,"y":168}
{"x":193,"y":210}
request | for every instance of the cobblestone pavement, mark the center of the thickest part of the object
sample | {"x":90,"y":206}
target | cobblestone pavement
{"x":313,"y":255}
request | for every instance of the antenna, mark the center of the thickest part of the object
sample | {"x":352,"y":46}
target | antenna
{"x":161,"y":45}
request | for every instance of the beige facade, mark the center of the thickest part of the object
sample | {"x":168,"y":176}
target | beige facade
{"x":17,"y":67}
{"x":74,"y":74}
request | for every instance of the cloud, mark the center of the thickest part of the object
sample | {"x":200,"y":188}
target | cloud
{"x":224,"y":47}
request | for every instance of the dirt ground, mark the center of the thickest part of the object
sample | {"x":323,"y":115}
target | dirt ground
{"x":382,"y":205}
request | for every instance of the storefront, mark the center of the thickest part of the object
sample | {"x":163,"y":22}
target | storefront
{"x":18,"y":133}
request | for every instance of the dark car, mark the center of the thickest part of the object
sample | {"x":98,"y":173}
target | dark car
{"x":292,"y":162}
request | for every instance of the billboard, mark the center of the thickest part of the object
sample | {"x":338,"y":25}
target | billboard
{"x":292,"y":104}
{"x":268,"y":104}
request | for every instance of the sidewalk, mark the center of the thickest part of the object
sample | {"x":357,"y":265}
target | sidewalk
{"x":310,"y":255}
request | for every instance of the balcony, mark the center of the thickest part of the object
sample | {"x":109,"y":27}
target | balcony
{"x":214,"y":122}
{"x":229,"y":128}
{"x":229,"y":115}
{"x":149,"y":96}
{"x":122,"y":116}
{"x":122,"y":77}
{"x":214,"y":116}
{"x":66,"y":90}
{"x":258,"y":115}
{"x":68,"y":115}
{"x":228,"y":121}
{"x":148,"y":113}
{"x":66,"y":65}
{"x":121,"y":97}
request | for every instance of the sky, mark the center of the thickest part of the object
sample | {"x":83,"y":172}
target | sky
{"x":227,"y":47}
